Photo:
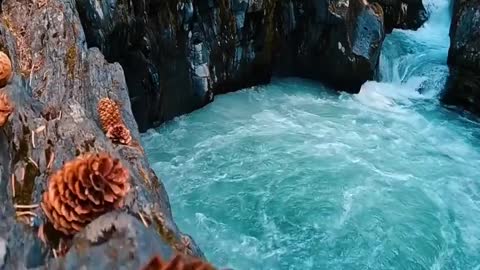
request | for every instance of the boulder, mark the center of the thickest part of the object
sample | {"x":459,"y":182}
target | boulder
{"x":338,"y":43}
{"x":463,"y":85}
{"x":113,"y":241}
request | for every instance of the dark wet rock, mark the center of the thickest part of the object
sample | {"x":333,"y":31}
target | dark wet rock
{"x":463,"y":86}
{"x":177,"y":54}
{"x":114,"y":241}
{"x":56,"y":85}
{"x":335,"y":43}
{"x":403,"y":14}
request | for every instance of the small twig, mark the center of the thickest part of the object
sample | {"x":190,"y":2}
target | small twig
{"x":143,"y":219}
{"x":45,"y":75}
{"x":13,"y":185}
{"x":25,"y":206}
{"x":40,"y":129}
{"x":22,"y":174}
{"x":33,"y":139}
{"x":31,"y":75}
{"x":50,"y":162}
{"x":41,"y":234}
{"x":33,"y":162}
{"x":25,"y":213}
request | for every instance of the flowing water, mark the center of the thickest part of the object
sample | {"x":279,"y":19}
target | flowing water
{"x":295,"y":176}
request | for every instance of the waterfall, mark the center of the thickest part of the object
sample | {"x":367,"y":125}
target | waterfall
{"x":413,"y":64}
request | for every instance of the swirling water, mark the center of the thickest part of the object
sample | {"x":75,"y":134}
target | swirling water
{"x":295,"y":176}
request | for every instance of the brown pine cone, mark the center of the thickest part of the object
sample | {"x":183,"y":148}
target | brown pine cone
{"x":109,"y":113}
{"x":119,"y":133}
{"x":84,"y":189}
{"x":5,"y":69}
{"x":6,"y":108}
{"x":179,"y":262}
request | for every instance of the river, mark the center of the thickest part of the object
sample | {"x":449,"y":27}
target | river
{"x":293,"y":175}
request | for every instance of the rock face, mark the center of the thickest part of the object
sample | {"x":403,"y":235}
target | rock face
{"x":338,"y":43}
{"x":113,"y":241}
{"x":56,"y":85}
{"x":403,"y":14}
{"x":177,"y":54}
{"x":463,"y":86}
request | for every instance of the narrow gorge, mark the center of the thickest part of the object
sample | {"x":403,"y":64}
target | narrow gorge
{"x":293,"y":175}
{"x":297,"y":134}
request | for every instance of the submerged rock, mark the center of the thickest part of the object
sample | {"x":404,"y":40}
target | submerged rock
{"x":463,"y":86}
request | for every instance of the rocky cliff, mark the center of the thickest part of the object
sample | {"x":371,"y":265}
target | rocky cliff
{"x":173,"y":57}
{"x":177,"y":54}
{"x":463,"y":86}
{"x":56,"y":84}
{"x":403,"y":14}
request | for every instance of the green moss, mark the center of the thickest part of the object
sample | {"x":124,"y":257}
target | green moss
{"x":71,"y":60}
{"x":168,"y":235}
{"x":8,"y":23}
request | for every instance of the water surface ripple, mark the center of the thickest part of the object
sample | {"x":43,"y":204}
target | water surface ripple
{"x":295,"y":176}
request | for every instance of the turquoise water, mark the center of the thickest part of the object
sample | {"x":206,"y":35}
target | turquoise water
{"x":294,"y":176}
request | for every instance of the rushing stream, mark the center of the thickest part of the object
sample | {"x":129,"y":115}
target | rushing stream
{"x":295,"y":176}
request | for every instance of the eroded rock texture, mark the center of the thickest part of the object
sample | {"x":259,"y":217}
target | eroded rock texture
{"x":113,"y":241}
{"x":337,"y":43}
{"x":56,"y":86}
{"x":463,"y":86}
{"x":176,"y":54}
{"x":403,"y":14}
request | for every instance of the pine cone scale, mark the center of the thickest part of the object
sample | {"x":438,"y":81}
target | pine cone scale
{"x":109,"y":113}
{"x":5,"y":69}
{"x":179,"y":262}
{"x":81,"y":191}
{"x":6,"y":108}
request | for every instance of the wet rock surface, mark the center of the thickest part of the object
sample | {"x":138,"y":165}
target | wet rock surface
{"x":403,"y":14}
{"x":336,"y":43}
{"x":178,"y":54}
{"x":56,"y":85}
{"x":463,"y":85}
{"x":113,"y":241}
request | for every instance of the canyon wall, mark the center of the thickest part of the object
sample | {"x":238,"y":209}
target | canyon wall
{"x":56,"y":85}
{"x":178,"y":54}
{"x":463,"y":86}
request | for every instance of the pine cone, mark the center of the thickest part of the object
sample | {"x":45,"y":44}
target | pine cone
{"x":109,"y":113}
{"x":119,"y":133}
{"x":84,"y":189}
{"x":6,"y":108}
{"x":5,"y":69}
{"x":179,"y":262}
